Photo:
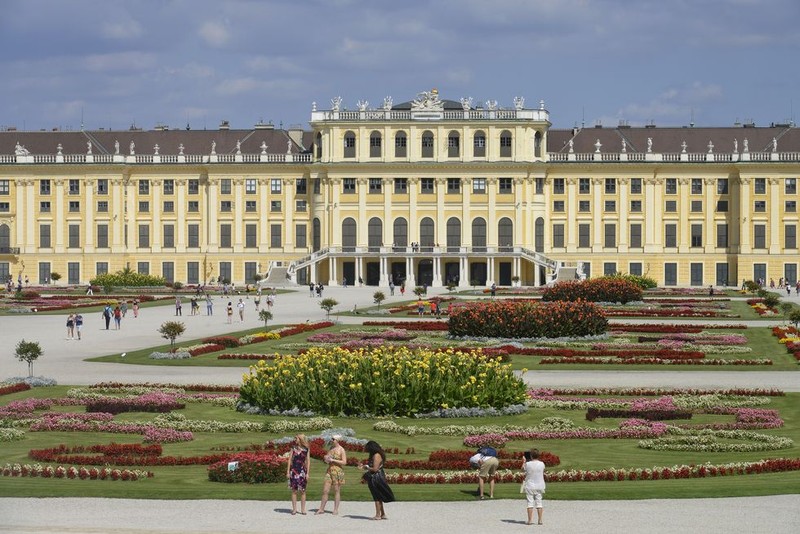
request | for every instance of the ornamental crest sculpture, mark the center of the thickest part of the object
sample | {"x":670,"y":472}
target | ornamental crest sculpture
{"x":336,"y":103}
{"x":362,"y":105}
{"x":387,"y":103}
{"x":519,"y":102}
{"x":466,"y":103}
{"x":427,"y":101}
{"x":491,"y":105}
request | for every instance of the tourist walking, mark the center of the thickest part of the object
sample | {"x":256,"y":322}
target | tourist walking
{"x":421,"y":307}
{"x":178,"y":307}
{"x":297,"y":471}
{"x":209,"y":305}
{"x":135,"y":308}
{"x":229,"y":311}
{"x":391,"y":289}
{"x":334,"y":476}
{"x":534,"y":485}
{"x":70,"y":326}
{"x":240,"y":306}
{"x":257,"y":301}
{"x":78,"y":325}
{"x":375,"y":478}
{"x":117,"y":317}
{"x":124,"y":307}
{"x":311,"y":289}
{"x":403,"y":289}
{"x":107,"y":314}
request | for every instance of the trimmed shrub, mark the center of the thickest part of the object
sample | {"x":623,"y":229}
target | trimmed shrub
{"x":126,"y":278}
{"x":604,"y":289}
{"x":527,"y":319}
{"x":644,"y":282}
{"x":252,"y":468}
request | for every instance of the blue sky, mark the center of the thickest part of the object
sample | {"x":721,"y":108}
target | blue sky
{"x":175,"y":62}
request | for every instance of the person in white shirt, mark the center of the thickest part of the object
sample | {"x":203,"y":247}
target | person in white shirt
{"x":534,"y":485}
{"x":240,"y":305}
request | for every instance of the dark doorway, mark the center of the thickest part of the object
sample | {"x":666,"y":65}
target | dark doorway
{"x":348,"y":273}
{"x":504,"y":272}
{"x":398,"y":272}
{"x":722,"y":274}
{"x":373,"y":273}
{"x":425,"y":272}
{"x":477,"y":274}
{"x":452,"y":275}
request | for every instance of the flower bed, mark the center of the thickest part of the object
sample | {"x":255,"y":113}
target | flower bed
{"x":602,"y":289}
{"x":14,"y":388}
{"x":252,"y":468}
{"x":248,"y":356}
{"x":672,"y":328}
{"x":652,"y":361}
{"x":790,"y":337}
{"x":184,"y":387}
{"x":72,"y":472}
{"x":154,"y":402}
{"x":429,"y":326}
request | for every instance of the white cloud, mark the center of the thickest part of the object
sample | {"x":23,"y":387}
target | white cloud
{"x":273,"y":64}
{"x":214,"y":33}
{"x":121,"y":30}
{"x":120,"y":61}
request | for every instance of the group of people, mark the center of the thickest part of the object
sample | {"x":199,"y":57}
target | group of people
{"x":785,"y":284}
{"x":299,"y":468}
{"x":74,"y":326}
{"x":117,"y":313}
{"x":315,"y":289}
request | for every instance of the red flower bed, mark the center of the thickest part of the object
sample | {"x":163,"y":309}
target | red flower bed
{"x":650,"y":415}
{"x":611,"y":312}
{"x":119,"y":454}
{"x":425,"y":326}
{"x":207,"y":349}
{"x":793,"y":347}
{"x":306,"y":327}
{"x":252,"y":468}
{"x":14,"y":388}
{"x":653,"y":392}
{"x":186,"y":387}
{"x":229,"y":342}
{"x":654,"y":361}
{"x":603,"y":289}
{"x":623,"y":353}
{"x":246,"y":357}
{"x":672,"y":328}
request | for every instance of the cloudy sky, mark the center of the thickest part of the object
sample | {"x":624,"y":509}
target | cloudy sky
{"x":197,"y":62}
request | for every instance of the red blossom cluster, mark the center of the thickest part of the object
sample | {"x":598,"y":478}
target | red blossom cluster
{"x":119,"y":454}
{"x":246,"y":357}
{"x":622,"y":353}
{"x":14,"y":388}
{"x":252,"y":468}
{"x":185,"y":387}
{"x":425,"y":326}
{"x":782,"y":332}
{"x":672,"y":328}
{"x":651,"y":361}
{"x":206,"y":349}
{"x":603,"y":289}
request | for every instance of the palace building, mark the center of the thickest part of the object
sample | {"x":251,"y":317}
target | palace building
{"x":429,"y":191}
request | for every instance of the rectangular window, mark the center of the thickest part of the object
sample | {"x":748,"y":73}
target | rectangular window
{"x":696,"y":274}
{"x":250,"y":271}
{"x":635,"y":268}
{"x":193,"y":272}
{"x":193,"y":236}
{"x":539,"y":186}
{"x":349,"y":186}
{"x":317,"y":186}
{"x":610,"y":235}
{"x":790,"y":236}
{"x":670,"y":274}
{"x":636,"y":235}
{"x":169,"y":187}
{"x":194,"y":206}
{"x":760,"y":186}
{"x":558,"y":205}
{"x":44,"y":272}
{"x":671,"y":235}
{"x":610,"y":206}
{"x":5,"y":207}
{"x":584,"y":236}
{"x":558,"y":235}
{"x":102,"y":236}
{"x":505,"y":186}
{"x":44,"y":236}
{"x":301,"y":206}
{"x":479,"y":186}
{"x":722,"y":186}
{"x":74,"y":206}
{"x":144,"y":235}
{"x":671,"y":186}
{"x":169,"y":236}
{"x":611,"y":186}
{"x":696,"y":206}
{"x":102,"y":186}
{"x":225,"y":271}
{"x":275,"y":186}
{"x":102,"y":206}
{"x":558,"y":186}
{"x":300,"y":233}
{"x":144,"y":187}
{"x":760,"y":206}
{"x":584,"y":205}
{"x":636,"y":187}
{"x":250,"y":185}
{"x":375,"y":186}
{"x":790,"y":186}
{"x":401,"y":186}
{"x":73,"y":272}
{"x":275,"y":235}
{"x":250,"y":205}
{"x":636,"y":206}
{"x":101,"y":267}
{"x":697,"y":186}
{"x":759,"y":236}
{"x":453,"y":186}
{"x":143,"y":267}
{"x":168,"y":271}
{"x":169,"y":206}
{"x":426,"y":186}
{"x":584,"y":186}
{"x":722,"y":206}
{"x":225,"y":205}
{"x":144,"y":206}
{"x":250,"y":235}
{"x":225,"y":235}
{"x":609,"y":268}
{"x":300,"y":186}
{"x":74,"y":187}
{"x":790,"y":206}
{"x":722,"y":235}
{"x":696,"y":231}
{"x":194,"y":186}
{"x":44,"y":187}
{"x":74,"y":236}
{"x":225,"y":186}
{"x":275,"y":206}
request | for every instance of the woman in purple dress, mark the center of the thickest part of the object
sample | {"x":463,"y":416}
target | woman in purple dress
{"x":297,"y":472}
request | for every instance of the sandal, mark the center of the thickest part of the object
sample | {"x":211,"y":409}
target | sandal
{"x":294,"y":512}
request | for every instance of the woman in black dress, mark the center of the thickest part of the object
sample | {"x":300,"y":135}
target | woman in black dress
{"x":376,"y":478}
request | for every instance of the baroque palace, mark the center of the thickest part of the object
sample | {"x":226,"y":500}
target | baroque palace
{"x":429,"y":191}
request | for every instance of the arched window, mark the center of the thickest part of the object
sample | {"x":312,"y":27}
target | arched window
{"x":374,"y":234}
{"x":400,"y":232}
{"x":400,"y":145}
{"x":453,"y":234}
{"x":375,"y":144}
{"x":5,"y":240}
{"x":426,"y":234}
{"x":316,"y":235}
{"x":537,"y":145}
{"x":453,"y":144}
{"x":505,"y":144}
{"x":427,"y":144}
{"x":538,"y":235}
{"x":479,"y":144}
{"x":505,"y":234}
{"x":349,"y":145}
{"x":318,"y":146}
{"x":349,"y":235}
{"x":479,"y":235}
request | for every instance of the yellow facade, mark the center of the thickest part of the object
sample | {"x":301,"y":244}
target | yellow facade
{"x":426,"y":192}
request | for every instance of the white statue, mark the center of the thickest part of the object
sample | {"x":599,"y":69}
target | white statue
{"x":289,"y":147}
{"x":362,"y":105}
{"x":20,"y":150}
{"x":683,"y":147}
{"x":133,"y":149}
{"x":263,"y":147}
{"x":745,"y":145}
{"x":710,"y":147}
{"x":387,"y":103}
{"x":213,"y":147}
{"x":649,"y":145}
{"x":624,"y":146}
{"x":89,"y":148}
{"x":571,"y":146}
{"x":774,"y":145}
{"x":491,"y":105}
{"x":336,"y":103}
{"x":116,"y":147}
{"x":597,"y":146}
{"x":735,"y":146}
{"x":466,"y":103}
{"x":427,"y":101}
{"x":541,"y":105}
{"x":180,"y":149}
{"x":238,"y":146}
{"x":155,"y":150}
{"x":59,"y":148}
{"x":519,"y":102}
{"x":313,"y":106}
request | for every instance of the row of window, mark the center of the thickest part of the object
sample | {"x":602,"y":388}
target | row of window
{"x":670,"y":186}
{"x":428,"y":186}
{"x":168,"y":206}
{"x":671,"y":236}
{"x":168,"y":186}
{"x":671,"y":206}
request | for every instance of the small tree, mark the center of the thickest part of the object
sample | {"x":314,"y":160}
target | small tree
{"x":266,"y":316}
{"x":171,"y":330}
{"x":771,"y":300}
{"x":257,"y":278}
{"x":378,"y":297}
{"x":794,"y":318}
{"x":419,"y":291}
{"x":177,"y":286}
{"x":327,"y":305}
{"x":28,"y":351}
{"x":786,"y":309}
{"x":451,"y":287}
{"x":55,"y":277}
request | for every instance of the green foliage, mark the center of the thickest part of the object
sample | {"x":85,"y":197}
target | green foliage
{"x":771,"y":299}
{"x":644,"y":282}
{"x":794,"y":318}
{"x":603,"y":289}
{"x":328,"y":304}
{"x":127,"y":278}
{"x":171,"y":330}
{"x":28,"y":351}
{"x":55,"y":277}
{"x":751,"y":286}
{"x":177,"y":286}
{"x":266,"y":316}
{"x":378,"y":297}
{"x":786,"y":308}
{"x":419,"y":291}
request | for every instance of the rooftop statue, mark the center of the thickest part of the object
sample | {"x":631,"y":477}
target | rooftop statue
{"x":362,"y":105}
{"x":336,"y":103}
{"x":735,"y":146}
{"x":624,"y":146}
{"x":263,"y":147}
{"x":649,"y":145}
{"x":20,"y":150}
{"x":89,"y":148}
{"x":491,"y":105}
{"x":427,"y":101}
{"x":519,"y":102}
{"x":774,"y":145}
{"x":116,"y":147}
{"x":238,"y":146}
{"x":745,"y":145}
{"x":466,"y":103}
{"x":213,"y":147}
{"x":133,"y":149}
{"x":710,"y":147}
{"x":683,"y":147}
{"x":387,"y":103}
{"x":180,"y":149}
{"x":289,"y":146}
{"x":155,"y":150}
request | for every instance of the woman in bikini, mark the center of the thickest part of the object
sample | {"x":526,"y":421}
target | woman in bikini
{"x":334,"y":476}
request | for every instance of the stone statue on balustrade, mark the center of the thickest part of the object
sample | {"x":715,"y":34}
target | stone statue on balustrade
{"x":133,"y":149}
{"x":20,"y":150}
{"x":116,"y":147}
{"x":89,"y":148}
